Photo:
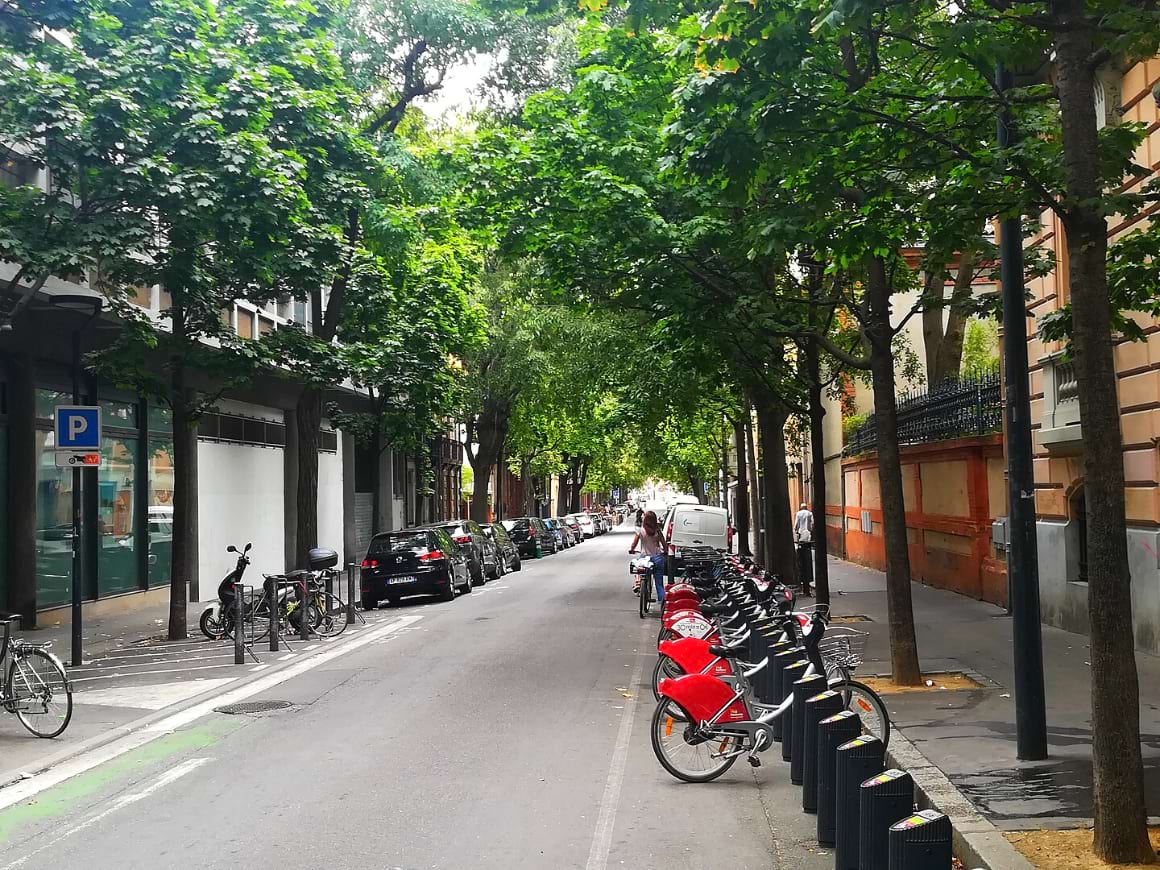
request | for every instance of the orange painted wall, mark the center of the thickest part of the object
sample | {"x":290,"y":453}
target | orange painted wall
{"x":950,"y":544}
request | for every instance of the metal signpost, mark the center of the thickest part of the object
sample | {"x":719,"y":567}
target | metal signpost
{"x":78,"y":446}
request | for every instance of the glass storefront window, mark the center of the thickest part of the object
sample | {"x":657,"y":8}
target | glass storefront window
{"x":117,"y":550}
{"x":47,"y":399}
{"x":3,"y":523}
{"x":121,"y":414}
{"x":160,"y":511}
{"x":53,"y":524}
{"x":160,"y":418}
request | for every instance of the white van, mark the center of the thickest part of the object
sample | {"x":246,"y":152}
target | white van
{"x":697,"y":525}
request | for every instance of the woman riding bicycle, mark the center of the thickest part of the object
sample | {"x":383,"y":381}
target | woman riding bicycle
{"x":652,"y":544}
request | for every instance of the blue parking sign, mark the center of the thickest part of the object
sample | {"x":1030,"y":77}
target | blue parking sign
{"x":78,"y":428}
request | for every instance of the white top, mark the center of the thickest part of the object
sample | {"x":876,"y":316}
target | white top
{"x":803,"y":526}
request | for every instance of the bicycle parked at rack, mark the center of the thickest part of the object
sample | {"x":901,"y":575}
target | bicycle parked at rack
{"x":35,"y":685}
{"x":708,"y":712}
{"x":326,"y":612}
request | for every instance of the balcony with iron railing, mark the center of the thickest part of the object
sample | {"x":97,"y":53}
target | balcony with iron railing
{"x":969,"y":405}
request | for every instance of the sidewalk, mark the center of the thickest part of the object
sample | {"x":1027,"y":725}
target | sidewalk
{"x":970,"y":734}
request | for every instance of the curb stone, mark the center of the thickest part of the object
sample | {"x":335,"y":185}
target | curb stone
{"x":976,"y":842}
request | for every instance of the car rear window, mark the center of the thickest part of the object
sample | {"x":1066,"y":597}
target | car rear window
{"x":695,"y":522}
{"x":400,"y":542}
{"x":510,"y":525}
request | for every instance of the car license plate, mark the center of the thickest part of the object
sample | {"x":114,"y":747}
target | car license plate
{"x":405,"y":579}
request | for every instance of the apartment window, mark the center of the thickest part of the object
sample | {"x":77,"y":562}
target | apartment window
{"x":1077,"y":532}
{"x":300,"y":312}
{"x":17,"y":171}
{"x":165,"y":300}
{"x":227,"y":317}
{"x":142,"y":296}
{"x":265,"y":326}
{"x":245,"y":323}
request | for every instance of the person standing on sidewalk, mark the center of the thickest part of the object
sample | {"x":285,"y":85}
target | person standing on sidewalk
{"x":652,"y":544}
{"x":803,"y":535}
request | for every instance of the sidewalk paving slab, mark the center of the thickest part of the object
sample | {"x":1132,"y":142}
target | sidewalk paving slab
{"x":967,"y":737}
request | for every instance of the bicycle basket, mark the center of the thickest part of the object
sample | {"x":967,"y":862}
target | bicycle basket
{"x":843,"y":646}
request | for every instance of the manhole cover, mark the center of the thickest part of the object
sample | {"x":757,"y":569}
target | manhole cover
{"x":253,"y":707}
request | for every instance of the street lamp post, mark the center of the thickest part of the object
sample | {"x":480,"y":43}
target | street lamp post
{"x":90,"y":305}
{"x":1022,"y":552}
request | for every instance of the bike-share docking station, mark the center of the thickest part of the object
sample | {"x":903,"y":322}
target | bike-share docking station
{"x":865,"y":812}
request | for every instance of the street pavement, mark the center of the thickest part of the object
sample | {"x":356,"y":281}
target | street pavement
{"x":507,"y":729}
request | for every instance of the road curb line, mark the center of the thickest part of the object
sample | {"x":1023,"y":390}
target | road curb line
{"x":976,"y":841}
{"x":16,"y":785}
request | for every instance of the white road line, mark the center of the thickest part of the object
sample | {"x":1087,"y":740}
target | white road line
{"x":610,"y":801}
{"x":257,"y":668}
{"x":120,"y":673}
{"x":312,"y":646}
{"x":127,"y":663}
{"x":286,"y":657}
{"x":187,"y":766}
{"x":23,"y":790}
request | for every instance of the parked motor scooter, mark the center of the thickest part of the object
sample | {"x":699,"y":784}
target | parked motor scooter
{"x":217,"y":618}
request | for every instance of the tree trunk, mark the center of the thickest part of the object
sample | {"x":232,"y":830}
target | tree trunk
{"x":529,"y":484}
{"x":697,"y":483}
{"x":308,"y":418}
{"x":1121,"y":834}
{"x":949,"y":358}
{"x":903,"y":647}
{"x":579,"y":476}
{"x":184,"y":545}
{"x":818,"y":473}
{"x":932,"y":321}
{"x":755,"y":486}
{"x":562,"y":494}
{"x":779,"y":550}
{"x":741,"y":494}
{"x":377,"y":450}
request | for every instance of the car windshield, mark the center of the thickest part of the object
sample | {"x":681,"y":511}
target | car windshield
{"x":399,"y":542}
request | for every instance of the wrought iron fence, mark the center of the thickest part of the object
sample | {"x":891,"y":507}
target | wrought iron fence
{"x":958,"y":407}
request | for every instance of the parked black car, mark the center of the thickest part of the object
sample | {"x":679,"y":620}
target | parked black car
{"x":509,"y":553}
{"x":526,"y":532}
{"x":481,"y":551}
{"x":413,"y":562}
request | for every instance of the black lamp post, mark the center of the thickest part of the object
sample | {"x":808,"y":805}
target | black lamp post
{"x":90,"y":305}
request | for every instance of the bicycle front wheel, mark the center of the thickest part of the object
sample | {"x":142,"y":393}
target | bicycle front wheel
{"x":868,"y":705}
{"x":332,"y":615}
{"x":41,"y":695}
{"x":683,"y":752}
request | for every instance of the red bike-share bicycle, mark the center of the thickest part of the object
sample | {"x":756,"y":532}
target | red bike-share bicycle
{"x":713,"y":652}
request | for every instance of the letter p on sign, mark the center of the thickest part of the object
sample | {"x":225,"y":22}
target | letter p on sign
{"x":78,"y":428}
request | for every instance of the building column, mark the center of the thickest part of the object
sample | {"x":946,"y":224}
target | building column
{"x":290,"y":491}
{"x":21,"y":511}
{"x":349,"y":525}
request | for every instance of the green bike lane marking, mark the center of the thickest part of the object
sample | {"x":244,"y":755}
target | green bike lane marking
{"x":76,"y":793}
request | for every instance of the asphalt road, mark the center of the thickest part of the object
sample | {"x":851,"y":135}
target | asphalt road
{"x":508,"y":729}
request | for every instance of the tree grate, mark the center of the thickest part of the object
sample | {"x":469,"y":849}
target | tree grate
{"x":252,"y":707}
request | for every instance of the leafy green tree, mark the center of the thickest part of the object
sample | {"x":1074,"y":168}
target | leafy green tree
{"x":220,"y":129}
